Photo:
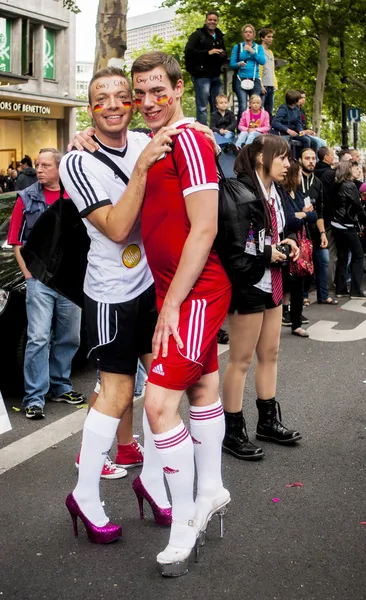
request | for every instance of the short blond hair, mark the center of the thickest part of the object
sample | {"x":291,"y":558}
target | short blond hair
{"x":248,"y":25}
{"x":221,"y":96}
{"x":256,"y":97}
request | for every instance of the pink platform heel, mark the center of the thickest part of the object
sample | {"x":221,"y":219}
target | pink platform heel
{"x":162,"y":516}
{"x":98,"y":535}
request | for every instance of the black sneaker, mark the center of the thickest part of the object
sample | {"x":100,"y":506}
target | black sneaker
{"x":222,"y":337}
{"x":34,"y":412}
{"x":286,"y":319}
{"x":304,"y":320}
{"x":71,"y":398}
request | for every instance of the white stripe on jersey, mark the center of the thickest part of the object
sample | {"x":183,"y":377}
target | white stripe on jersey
{"x":195,"y":329}
{"x":76,"y":173}
{"x":203,"y":312}
{"x":186,"y":154}
{"x":199,"y":155}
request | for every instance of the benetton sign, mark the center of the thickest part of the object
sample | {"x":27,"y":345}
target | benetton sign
{"x":19,"y":107}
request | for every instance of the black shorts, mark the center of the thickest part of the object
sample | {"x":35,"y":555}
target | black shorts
{"x":253,"y":301}
{"x":119,"y":333}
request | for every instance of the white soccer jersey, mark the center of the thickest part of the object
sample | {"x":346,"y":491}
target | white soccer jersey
{"x":115,"y":272}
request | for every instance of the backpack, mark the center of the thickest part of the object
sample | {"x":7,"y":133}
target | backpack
{"x":190,"y":59}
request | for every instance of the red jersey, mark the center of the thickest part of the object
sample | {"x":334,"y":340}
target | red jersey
{"x":16,"y":220}
{"x":164,"y":221}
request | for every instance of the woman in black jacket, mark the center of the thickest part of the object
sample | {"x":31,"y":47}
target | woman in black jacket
{"x":347,"y":214}
{"x":256,"y":313}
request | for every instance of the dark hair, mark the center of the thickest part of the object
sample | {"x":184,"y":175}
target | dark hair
{"x":302,"y":92}
{"x":292,"y":97}
{"x":212,"y":12}
{"x":108,"y":72}
{"x":343,"y":172}
{"x":323,"y":152}
{"x":292,"y":178}
{"x":341,"y":153}
{"x":151,"y":60}
{"x":27,"y":161}
{"x":265,"y":31}
{"x":305,"y":150}
{"x":271,"y":146}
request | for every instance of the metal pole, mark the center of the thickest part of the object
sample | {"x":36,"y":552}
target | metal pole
{"x":355,"y":134}
{"x":344,"y":105}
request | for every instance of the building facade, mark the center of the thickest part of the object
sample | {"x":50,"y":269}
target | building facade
{"x":84,"y":73}
{"x":141,"y":29}
{"x":37,"y":78}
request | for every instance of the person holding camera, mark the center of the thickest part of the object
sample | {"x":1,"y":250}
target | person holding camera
{"x":255,"y":313}
{"x":246,"y":58}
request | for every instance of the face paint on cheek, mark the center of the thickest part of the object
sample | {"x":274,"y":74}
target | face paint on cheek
{"x":170,"y":101}
{"x":127,"y":104}
{"x":98,"y":108}
{"x":138,"y":101}
{"x":163,"y":100}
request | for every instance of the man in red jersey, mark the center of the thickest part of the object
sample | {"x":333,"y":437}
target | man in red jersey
{"x":179,"y":225}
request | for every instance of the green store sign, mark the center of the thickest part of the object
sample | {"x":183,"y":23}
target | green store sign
{"x":5,"y":45}
{"x":49,"y":54}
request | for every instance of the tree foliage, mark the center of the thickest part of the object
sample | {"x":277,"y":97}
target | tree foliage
{"x":82,"y":118}
{"x":71,"y":5}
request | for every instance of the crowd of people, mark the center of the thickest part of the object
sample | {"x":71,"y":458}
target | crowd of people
{"x":156,"y":291}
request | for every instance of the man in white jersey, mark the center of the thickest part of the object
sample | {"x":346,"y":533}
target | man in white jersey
{"x":119,"y":294}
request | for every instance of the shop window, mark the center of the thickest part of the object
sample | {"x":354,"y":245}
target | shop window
{"x":49,"y":54}
{"x":5,"y":45}
{"x":27,"y":48}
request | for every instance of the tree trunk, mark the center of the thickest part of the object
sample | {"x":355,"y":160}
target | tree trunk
{"x":320,"y":80}
{"x":111,"y":41}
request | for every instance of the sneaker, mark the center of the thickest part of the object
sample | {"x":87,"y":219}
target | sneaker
{"x":357,"y":296}
{"x":129,"y":455}
{"x":222,"y":337}
{"x":344,"y":295}
{"x":34,"y":412}
{"x":71,"y":398}
{"x":286,"y":319}
{"x":304,"y":320}
{"x":110,"y":470}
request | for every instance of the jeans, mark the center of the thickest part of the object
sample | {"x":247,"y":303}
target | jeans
{"x":316,"y":143}
{"x":246,"y":137}
{"x":140,"y":379}
{"x":348,"y":240}
{"x":332,"y":249}
{"x":222,"y":140}
{"x":321,"y":261}
{"x":268,"y":99}
{"x":53,"y":339}
{"x":206,"y":89}
{"x":242,"y":95}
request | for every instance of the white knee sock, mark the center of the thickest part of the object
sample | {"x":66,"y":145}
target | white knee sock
{"x":98,"y":435}
{"x":207,"y":425}
{"x":152,"y":474}
{"x":175,"y":449}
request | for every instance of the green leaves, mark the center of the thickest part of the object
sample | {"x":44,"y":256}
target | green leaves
{"x":71,"y":5}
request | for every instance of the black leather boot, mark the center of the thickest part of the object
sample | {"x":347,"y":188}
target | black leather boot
{"x":236,"y":441}
{"x":270,"y":428}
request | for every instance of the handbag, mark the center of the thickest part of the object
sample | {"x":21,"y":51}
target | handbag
{"x":56,"y":251}
{"x":248,"y":84}
{"x":304,"y":265}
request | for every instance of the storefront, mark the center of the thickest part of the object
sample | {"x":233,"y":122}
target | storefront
{"x":26,"y":127}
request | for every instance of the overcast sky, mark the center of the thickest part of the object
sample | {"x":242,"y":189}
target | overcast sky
{"x":85,"y":23}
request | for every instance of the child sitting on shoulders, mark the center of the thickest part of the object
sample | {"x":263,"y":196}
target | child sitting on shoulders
{"x":223,"y":122}
{"x":254,"y":121}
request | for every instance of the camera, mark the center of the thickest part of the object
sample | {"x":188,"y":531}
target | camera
{"x":284,"y":249}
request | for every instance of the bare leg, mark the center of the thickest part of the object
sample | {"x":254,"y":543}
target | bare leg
{"x":267,"y":354}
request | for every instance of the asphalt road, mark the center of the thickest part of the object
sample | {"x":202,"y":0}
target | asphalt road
{"x":308,"y":546}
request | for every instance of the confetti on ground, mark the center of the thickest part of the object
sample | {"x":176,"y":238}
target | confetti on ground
{"x":362,"y":522}
{"x":296,"y":484}
{"x":16,"y":409}
{"x":81,"y":406}
{"x":276,"y":500}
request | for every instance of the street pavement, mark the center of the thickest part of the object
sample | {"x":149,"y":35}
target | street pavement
{"x":309,"y":545}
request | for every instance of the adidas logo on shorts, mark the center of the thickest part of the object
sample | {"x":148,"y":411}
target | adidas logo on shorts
{"x":158,"y":370}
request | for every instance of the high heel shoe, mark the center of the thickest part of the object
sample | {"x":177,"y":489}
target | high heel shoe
{"x":99,"y":535}
{"x":173,"y":561}
{"x":207,"y":508}
{"x":162,"y":516}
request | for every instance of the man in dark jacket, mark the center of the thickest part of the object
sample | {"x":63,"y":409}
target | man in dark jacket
{"x":205,"y":54}
{"x":287,"y":120}
{"x":53,"y":334}
{"x":27,"y":176}
{"x":325,"y":172}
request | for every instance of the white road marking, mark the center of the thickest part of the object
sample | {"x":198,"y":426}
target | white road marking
{"x":323,"y":331}
{"x":355,"y":306}
{"x":50,"y":435}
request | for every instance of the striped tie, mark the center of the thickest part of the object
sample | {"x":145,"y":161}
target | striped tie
{"x":276,"y":271}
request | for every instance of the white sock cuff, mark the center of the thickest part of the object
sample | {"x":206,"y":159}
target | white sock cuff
{"x":101,"y":424}
{"x":200,"y":414}
{"x":172,"y":440}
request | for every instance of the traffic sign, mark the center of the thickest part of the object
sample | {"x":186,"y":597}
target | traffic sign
{"x":354,"y":114}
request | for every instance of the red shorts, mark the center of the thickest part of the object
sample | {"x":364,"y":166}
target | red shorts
{"x":200,"y":320}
